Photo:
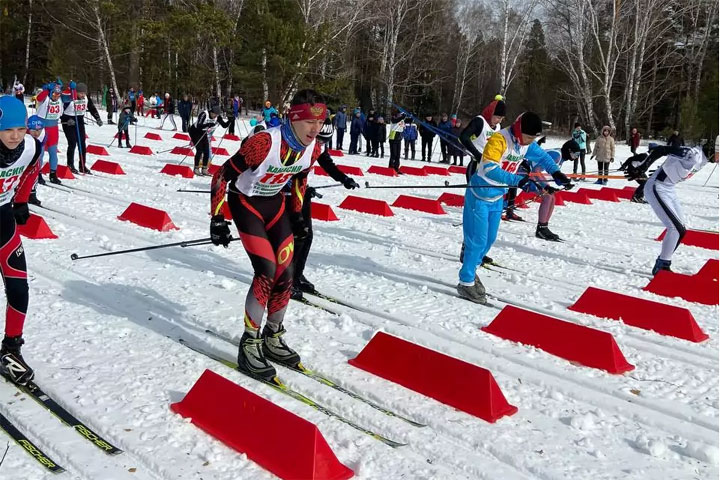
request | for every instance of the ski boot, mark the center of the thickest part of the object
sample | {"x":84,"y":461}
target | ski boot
{"x":275,"y":348}
{"x":251,"y":359}
{"x":197,"y":171}
{"x":53,"y":178}
{"x":487,"y":260}
{"x":635,"y":199}
{"x":12,"y":364}
{"x":41,"y":180}
{"x":296,"y":293}
{"x":303,"y":284}
{"x":661,"y":264}
{"x":474,"y":293}
{"x":544,"y":233}
{"x":73,"y":169}
{"x":127,"y":145}
{"x":205,"y":172}
{"x":34,"y":200}
{"x":599,"y":181}
{"x":511,"y":215}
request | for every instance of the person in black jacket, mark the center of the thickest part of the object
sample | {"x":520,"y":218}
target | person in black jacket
{"x":185,"y":109}
{"x":676,"y":140}
{"x":201,"y":132}
{"x":169,"y":112}
{"x":570,"y":151}
{"x":427,"y":135}
{"x":73,"y":123}
{"x":367,"y":129}
{"x":379,"y":137}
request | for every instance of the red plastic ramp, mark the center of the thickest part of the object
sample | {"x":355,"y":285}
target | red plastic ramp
{"x":457,"y":169}
{"x":320,"y":211}
{"x":212,"y":168}
{"x":62,"y":171}
{"x":698,"y":238}
{"x":181,"y":136}
{"x":182,"y":151}
{"x":141,"y":150}
{"x":709,"y":270}
{"x":386,"y":171}
{"x":646,"y":314}
{"x":335,"y":153}
{"x":601,"y":194}
{"x":448,"y":380}
{"x":257,"y":427}
{"x":97,"y":150}
{"x":576,"y":197}
{"x":452,"y":199}
{"x":416,"y":171}
{"x":153,"y":136}
{"x":689,"y":287}
{"x":229,"y":136}
{"x":148,"y":217}
{"x":220,"y":151}
{"x":173,"y":169}
{"x":366,"y":205}
{"x":421,"y":204}
{"x":36,"y":228}
{"x":619,"y":192}
{"x":107,"y":167}
{"x":576,"y":343}
{"x":436,"y":170}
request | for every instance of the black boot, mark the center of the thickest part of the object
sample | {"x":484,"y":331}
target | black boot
{"x":33,"y":200}
{"x":544,"y":232}
{"x":251,"y":358}
{"x":12,"y":364}
{"x":73,"y":169}
{"x":296,"y":293}
{"x":275,"y":348}
{"x":53,"y":178}
{"x":41,"y":180}
{"x":303,"y":284}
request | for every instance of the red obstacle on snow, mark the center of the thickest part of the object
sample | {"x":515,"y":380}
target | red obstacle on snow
{"x":320,"y":211}
{"x":448,"y":380}
{"x":230,"y":136}
{"x":335,"y":153}
{"x":599,"y":194}
{"x":61,"y":172}
{"x":174,"y":169}
{"x":709,"y":270}
{"x":220,"y":151}
{"x":104,"y":166}
{"x":457,"y":169}
{"x":212,"y":168}
{"x":148,"y":217}
{"x":619,"y":192}
{"x":436,"y":170}
{"x":366,"y":205}
{"x":141,"y":150}
{"x":523,"y":199}
{"x":181,"y":136}
{"x":646,"y":314}
{"x":416,"y":171}
{"x":689,"y":287}
{"x":386,"y":171}
{"x":421,"y":204}
{"x":36,"y":228}
{"x":97,"y":150}
{"x":698,"y":238}
{"x":182,"y":151}
{"x":346,"y":169}
{"x":153,"y":136}
{"x":452,"y":199}
{"x":576,"y":197}
{"x":573,"y":342}
{"x":252,"y":425}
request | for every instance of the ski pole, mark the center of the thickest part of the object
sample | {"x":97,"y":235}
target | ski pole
{"x":81,"y":159}
{"x":193,"y":146}
{"x":333,"y":185}
{"x":447,"y":185}
{"x":710,"y":176}
{"x":183,"y":244}
{"x":192,"y":191}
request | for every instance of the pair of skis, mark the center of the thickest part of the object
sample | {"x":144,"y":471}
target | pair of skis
{"x":34,"y":391}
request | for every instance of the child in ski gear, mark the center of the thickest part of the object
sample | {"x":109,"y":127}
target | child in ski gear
{"x":503,"y":153}
{"x":35,"y":128}
{"x":570,"y":150}
{"x":169,"y":112}
{"x":50,"y":107}
{"x":547,"y":194}
{"x":257,"y":173}
{"x":397,"y":125}
{"x":605,"y":152}
{"x":427,"y":133}
{"x":478,"y":132}
{"x":580,"y":137}
{"x":75,"y":103}
{"x":19,"y":157}
{"x":410,"y":135}
{"x":124,"y":121}
{"x":681,"y":163}
{"x":201,"y":133}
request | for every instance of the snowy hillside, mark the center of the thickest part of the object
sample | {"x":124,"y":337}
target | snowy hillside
{"x":103,"y":334}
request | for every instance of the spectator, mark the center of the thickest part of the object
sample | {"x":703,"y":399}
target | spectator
{"x":455,"y":148}
{"x":580,"y":137}
{"x":427,"y":135}
{"x":410,"y":135}
{"x":569,"y":151}
{"x":110,"y":104}
{"x":169,"y":112}
{"x":380,"y":137}
{"x":356,"y":129}
{"x":453,"y":119}
{"x":159,"y":102}
{"x":605,"y":152}
{"x":367,"y":127}
{"x":340,"y":123}
{"x":268,"y":110}
{"x":676,"y":140}
{"x":396,"y":135}
{"x":20,"y":92}
{"x":185,"y":109}
{"x":132,"y":97}
{"x":446,"y":127}
{"x":140,"y":103}
{"x":634,"y":140}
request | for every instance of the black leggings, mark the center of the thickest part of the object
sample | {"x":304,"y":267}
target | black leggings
{"x":511,"y":194}
{"x":268,"y":240}
{"x":72,"y":139}
{"x":395,"y":146}
{"x":581,"y":159}
{"x":13,"y":270}
{"x":202,"y":146}
{"x":603,"y":168}
{"x":427,"y":144}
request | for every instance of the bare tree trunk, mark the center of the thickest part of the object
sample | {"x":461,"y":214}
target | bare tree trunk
{"x":263,"y":64}
{"x":216,"y":71}
{"x":27,"y":42}
{"x":104,"y":44}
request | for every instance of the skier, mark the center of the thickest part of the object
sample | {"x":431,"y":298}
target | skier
{"x":303,"y":234}
{"x":681,"y":163}
{"x":479,"y":130}
{"x":483,"y":206}
{"x":397,"y":126}
{"x":257,"y":173}
{"x":169,"y":112}
{"x":111,"y":102}
{"x":75,"y":103}
{"x":201,"y":133}
{"x":19,"y":156}
{"x":50,"y":107}
{"x":124,"y":121}
{"x":540,"y":187}
{"x":36,"y":129}
{"x":185,"y":110}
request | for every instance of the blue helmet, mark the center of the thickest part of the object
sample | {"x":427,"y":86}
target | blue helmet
{"x":35,"y":123}
{"x":12,"y":113}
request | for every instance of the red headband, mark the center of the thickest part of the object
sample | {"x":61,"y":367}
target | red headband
{"x":306,"y":111}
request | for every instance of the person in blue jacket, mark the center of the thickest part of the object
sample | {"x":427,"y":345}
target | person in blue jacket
{"x":340,"y":124}
{"x":446,"y":126}
{"x":356,"y":129}
{"x":410,"y":135}
{"x":501,"y":158}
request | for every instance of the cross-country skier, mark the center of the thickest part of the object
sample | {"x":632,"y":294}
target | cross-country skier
{"x":257,"y":173}
{"x":681,"y":163}
{"x":75,"y":103}
{"x":201,"y":132}
{"x":124,"y":120}
{"x":503,"y":153}
{"x":50,"y":107}
{"x":19,"y":157}
{"x":36,"y":129}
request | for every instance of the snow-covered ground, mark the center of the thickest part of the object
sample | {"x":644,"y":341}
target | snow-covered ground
{"x":102,"y":334}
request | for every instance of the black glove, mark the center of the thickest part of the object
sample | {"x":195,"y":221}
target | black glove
{"x":70,"y":122}
{"x":541,"y":140}
{"x":99,"y":122}
{"x":350,"y":184}
{"x":311,"y":192}
{"x":220,"y":231}
{"x":300,"y":229}
{"x":560,"y":178}
{"x":21,"y":212}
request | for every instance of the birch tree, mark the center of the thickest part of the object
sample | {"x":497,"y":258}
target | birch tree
{"x":514,"y":21}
